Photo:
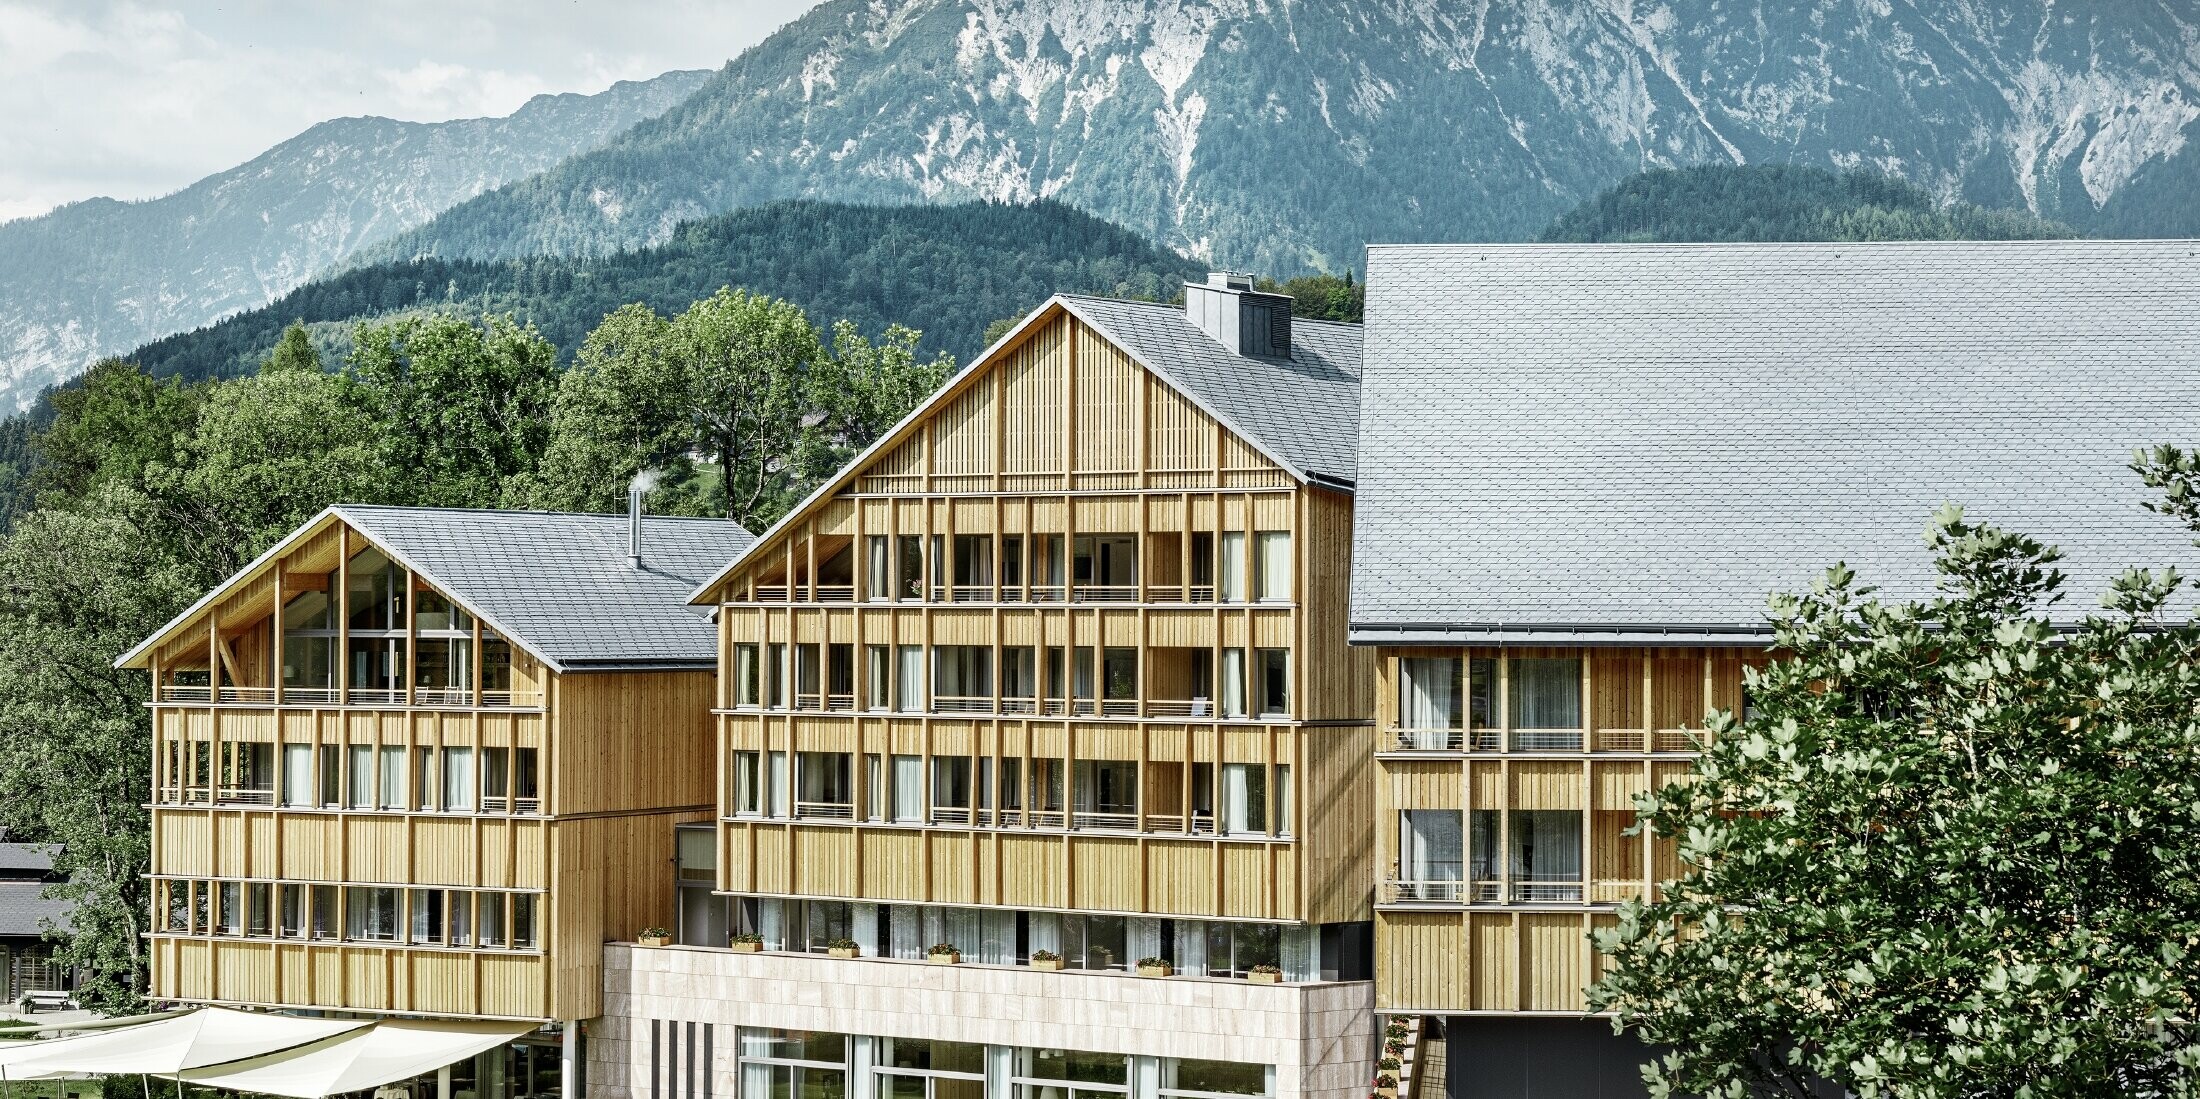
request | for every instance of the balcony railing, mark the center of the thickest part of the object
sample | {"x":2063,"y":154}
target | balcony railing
{"x":962,"y":704}
{"x":836,"y":593}
{"x":1107,"y":822}
{"x":358,"y":696}
{"x":1669,"y":741}
{"x":1106,"y":593}
{"x":1532,"y":892}
{"x":1179,"y":707}
{"x":824,"y":810}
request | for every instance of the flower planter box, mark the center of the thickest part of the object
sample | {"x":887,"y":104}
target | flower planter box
{"x":654,"y":940}
{"x":1265,"y":978}
{"x":1387,"y":1093}
{"x":844,"y":952}
{"x":1047,"y":965}
{"x":944,"y":959}
{"x":1155,"y":971}
{"x":747,"y":948}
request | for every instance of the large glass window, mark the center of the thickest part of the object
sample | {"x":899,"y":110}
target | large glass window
{"x":879,"y":663}
{"x":827,"y":785}
{"x":951,"y":789}
{"x":1196,"y":1079}
{"x":962,"y":678}
{"x":914,"y":1068}
{"x":748,"y":675}
{"x":458,"y":780}
{"x":1428,"y":694}
{"x":908,"y":805}
{"x":1272,"y":565}
{"x":1106,"y":792}
{"x":298,"y":775}
{"x":792,"y":1064}
{"x":393,"y":777}
{"x":909,"y":568}
{"x":909,"y":679}
{"x":1233,"y":683}
{"x":362,"y":776}
{"x":1546,"y":695}
{"x":370,"y":915}
{"x":1244,"y":799}
{"x":1230,"y":570}
{"x":1430,"y":850}
{"x":878,"y":568}
{"x":1070,"y":1074}
{"x":1546,"y":855}
{"x":748,"y":783}
{"x":1274,"y":668}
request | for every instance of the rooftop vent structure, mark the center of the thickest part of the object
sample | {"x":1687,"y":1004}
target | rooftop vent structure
{"x":1245,"y":320}
{"x":643,"y":481}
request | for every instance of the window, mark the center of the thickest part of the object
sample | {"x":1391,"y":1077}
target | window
{"x":916,"y":1068}
{"x":1546,"y":695}
{"x":427,"y":916}
{"x":393,"y":778}
{"x":496,"y":779}
{"x":489,"y":919}
{"x":295,"y":914}
{"x":909,"y":679}
{"x":1428,"y":694}
{"x":828,"y":789}
{"x":792,"y":1064}
{"x":1430,"y":850}
{"x":523,"y":921}
{"x":1119,"y":674}
{"x":874,"y":787}
{"x":1274,"y":666}
{"x":259,"y":912}
{"x":1233,"y":683}
{"x":325,"y":899}
{"x":424,"y":782}
{"x":782,"y":799}
{"x":1107,"y":793}
{"x":298,"y":776}
{"x":951,"y":789}
{"x":229,"y":918}
{"x":1244,"y":799}
{"x":879,"y":659}
{"x":1272,"y":565}
{"x":748,"y":682}
{"x":1188,"y":1077}
{"x":878,"y":568}
{"x":1069,"y":1074}
{"x":370,"y":915}
{"x":1230,"y":570}
{"x":458,"y":780}
{"x":332,"y":776}
{"x":1282,"y":799}
{"x":458,"y":910}
{"x":748,"y":784}
{"x":909,"y":567}
{"x":1482,"y":693}
{"x":1012,"y":561}
{"x":908,"y":804}
{"x":809,"y":678}
{"x":775,"y":676}
{"x":962,"y":678}
{"x":526,"y":781}
{"x":1546,"y":855}
{"x":362,"y":776}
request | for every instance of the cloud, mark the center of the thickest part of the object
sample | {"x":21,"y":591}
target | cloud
{"x":134,"y":99}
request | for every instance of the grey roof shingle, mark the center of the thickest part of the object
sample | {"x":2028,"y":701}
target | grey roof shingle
{"x":23,"y":912}
{"x":1623,"y":439}
{"x":1302,"y":410}
{"x":560,"y":585}
{"x":17,"y":859}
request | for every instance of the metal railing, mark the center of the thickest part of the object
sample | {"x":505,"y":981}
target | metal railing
{"x":962,"y":704}
{"x":1105,"y":593}
{"x":1546,"y":740}
{"x":1019,"y":704}
{"x":971,"y":593}
{"x":1106,"y":822}
{"x":1546,"y":891}
{"x":1046,"y":593}
{"x":1179,"y":707}
{"x":824,"y":810}
{"x":1427,"y":891}
{"x":835,"y":593}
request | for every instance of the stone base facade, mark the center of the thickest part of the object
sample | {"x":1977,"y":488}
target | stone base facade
{"x":699,"y":1023}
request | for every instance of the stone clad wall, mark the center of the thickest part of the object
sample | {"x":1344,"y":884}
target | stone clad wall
{"x":1320,"y":1036}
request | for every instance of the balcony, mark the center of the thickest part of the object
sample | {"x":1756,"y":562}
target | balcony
{"x":1317,"y":1034}
{"x":1615,"y":741}
{"x":1452,"y":891}
{"x":438,"y":697}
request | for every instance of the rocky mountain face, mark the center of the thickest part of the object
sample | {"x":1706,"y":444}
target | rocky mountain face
{"x":101,"y":277}
{"x":1285,"y":134}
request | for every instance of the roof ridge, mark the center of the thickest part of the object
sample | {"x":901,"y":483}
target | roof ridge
{"x":442,"y":510}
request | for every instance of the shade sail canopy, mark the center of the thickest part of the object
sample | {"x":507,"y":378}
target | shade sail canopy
{"x":209,"y":1036}
{"x":388,"y":1051}
{"x":15,"y":1054}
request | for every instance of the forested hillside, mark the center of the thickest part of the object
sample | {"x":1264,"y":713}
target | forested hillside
{"x":949,"y":270}
{"x":1773,"y":202}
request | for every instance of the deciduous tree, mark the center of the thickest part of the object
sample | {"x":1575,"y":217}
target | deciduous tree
{"x":1955,"y":852}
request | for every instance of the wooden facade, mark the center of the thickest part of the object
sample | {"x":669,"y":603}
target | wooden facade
{"x":1489,"y":924}
{"x":1083,"y":615}
{"x":459,"y":849}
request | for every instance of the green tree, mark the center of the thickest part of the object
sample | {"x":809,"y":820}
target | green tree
{"x":615,"y":414}
{"x":78,"y":587}
{"x":861,"y":389}
{"x":265,"y":454}
{"x":461,"y":408}
{"x":1953,"y":852}
{"x":294,"y":351}
{"x":1322,"y":297}
{"x":108,"y":428}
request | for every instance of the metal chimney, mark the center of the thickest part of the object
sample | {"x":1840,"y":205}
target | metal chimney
{"x":1240,"y":318}
{"x":643,"y":481}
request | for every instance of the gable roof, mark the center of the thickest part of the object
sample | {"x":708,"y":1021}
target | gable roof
{"x":1298,"y":412}
{"x":24,"y":910}
{"x":33,"y":858}
{"x":556,"y":584}
{"x":1303,"y":411}
{"x":1642,"y":442}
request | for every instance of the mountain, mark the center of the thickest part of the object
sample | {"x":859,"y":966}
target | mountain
{"x":1285,"y":134}
{"x":949,"y":270}
{"x":101,"y":276}
{"x":1775,"y":202}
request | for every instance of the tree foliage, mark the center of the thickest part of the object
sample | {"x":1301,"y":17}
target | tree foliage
{"x":461,"y":407}
{"x":1322,"y":297}
{"x":1955,"y":851}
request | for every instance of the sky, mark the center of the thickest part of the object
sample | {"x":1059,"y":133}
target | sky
{"x":136,"y":99}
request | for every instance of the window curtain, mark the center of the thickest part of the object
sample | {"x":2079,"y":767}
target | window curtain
{"x":782,"y":791}
{"x":1546,"y":693}
{"x":1546,"y":845}
{"x":1302,"y":953}
{"x":298,"y":775}
{"x":997,"y":937}
{"x":909,"y":691}
{"x":1045,"y":929}
{"x":771,"y":922}
{"x":458,"y":779}
{"x":1244,"y":799}
{"x":1233,"y":683}
{"x":908,"y":789}
{"x":362,"y":776}
{"x":1191,"y":947}
{"x":1428,"y":693}
{"x":1483,"y":835}
{"x":906,"y":930}
{"x":1428,"y":845}
{"x":1230,"y":570}
{"x":1274,"y":565}
{"x":1142,"y":938}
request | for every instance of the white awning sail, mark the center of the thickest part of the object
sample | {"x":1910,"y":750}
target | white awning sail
{"x":389,"y":1051}
{"x":14,"y":1054}
{"x":209,"y":1036}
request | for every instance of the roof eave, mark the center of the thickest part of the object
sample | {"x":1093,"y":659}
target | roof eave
{"x":132,"y":658}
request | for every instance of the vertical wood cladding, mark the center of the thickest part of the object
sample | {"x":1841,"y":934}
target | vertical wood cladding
{"x":1062,"y":437}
